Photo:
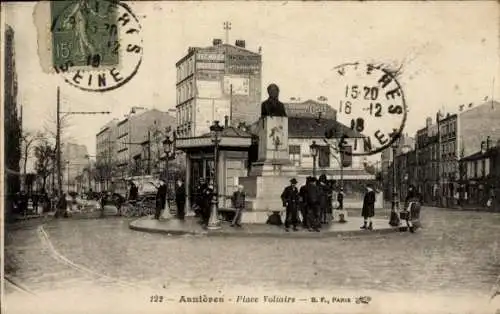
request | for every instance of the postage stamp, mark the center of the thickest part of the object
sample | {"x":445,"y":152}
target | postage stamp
{"x":371,"y":101}
{"x":96,"y":44}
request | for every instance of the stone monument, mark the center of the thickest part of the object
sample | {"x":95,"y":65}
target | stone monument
{"x":271,"y":173}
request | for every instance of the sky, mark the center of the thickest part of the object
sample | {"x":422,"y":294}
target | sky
{"x":449,"y":52}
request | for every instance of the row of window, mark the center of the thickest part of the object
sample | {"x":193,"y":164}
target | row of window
{"x":448,"y":167}
{"x":448,"y":129}
{"x":323,"y":159}
{"x":185,"y":91}
{"x":478,"y":168}
{"x":449,"y":148}
{"x":185,"y":113}
{"x":185,"y":69}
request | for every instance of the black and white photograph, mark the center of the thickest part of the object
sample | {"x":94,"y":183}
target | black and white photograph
{"x":250,"y":156}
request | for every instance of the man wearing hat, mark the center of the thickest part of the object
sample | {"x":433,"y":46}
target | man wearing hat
{"x":290,"y":198}
{"x":313,"y":205}
{"x":161,"y":198}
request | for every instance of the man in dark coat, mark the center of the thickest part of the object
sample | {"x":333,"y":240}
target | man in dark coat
{"x":198,"y":197}
{"x":368,"y":208}
{"x":303,"y":202}
{"x":272,"y":107}
{"x":238,"y":200}
{"x":340,"y":198}
{"x":291,"y":200}
{"x":313,"y":205}
{"x":134,"y":191}
{"x":161,"y":199}
{"x":323,"y":198}
{"x":206,"y":203}
{"x":180,"y":199}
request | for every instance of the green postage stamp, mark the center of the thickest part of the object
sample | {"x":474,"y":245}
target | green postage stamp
{"x":84,"y":33}
{"x":96,"y":44}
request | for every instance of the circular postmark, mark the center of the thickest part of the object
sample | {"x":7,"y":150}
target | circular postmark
{"x":96,"y":44}
{"x":371,"y":103}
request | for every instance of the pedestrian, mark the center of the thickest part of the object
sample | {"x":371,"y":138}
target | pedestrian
{"x":206,"y":203}
{"x":199,"y":199}
{"x":329,"y":207}
{"x":291,"y":200}
{"x":134,"y":191}
{"x":303,"y":202}
{"x":340,"y":198}
{"x":323,"y":198}
{"x":238,"y":200}
{"x":161,"y":198}
{"x":368,"y":208}
{"x":180,"y":199}
{"x":313,"y":206}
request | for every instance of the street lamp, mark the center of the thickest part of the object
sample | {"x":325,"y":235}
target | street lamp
{"x":215,"y":132}
{"x":167,"y":148}
{"x":395,"y":204}
{"x":314,"y":148}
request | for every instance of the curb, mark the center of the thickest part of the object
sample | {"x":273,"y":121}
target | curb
{"x":289,"y":235}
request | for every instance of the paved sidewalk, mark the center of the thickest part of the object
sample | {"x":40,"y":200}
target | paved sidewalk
{"x":191,"y":226}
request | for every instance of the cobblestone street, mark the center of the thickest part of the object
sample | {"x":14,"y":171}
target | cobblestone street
{"x":455,"y":252}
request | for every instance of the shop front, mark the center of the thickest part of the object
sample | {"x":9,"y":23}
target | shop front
{"x":220,"y":160}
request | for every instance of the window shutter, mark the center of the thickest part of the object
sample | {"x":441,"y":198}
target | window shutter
{"x":324,"y":157}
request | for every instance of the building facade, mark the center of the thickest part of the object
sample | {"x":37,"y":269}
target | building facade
{"x":214,"y":82}
{"x":480,"y":177}
{"x":106,"y":152}
{"x":427,"y":150}
{"x":404,"y":145}
{"x":133,"y":131}
{"x":12,"y":120}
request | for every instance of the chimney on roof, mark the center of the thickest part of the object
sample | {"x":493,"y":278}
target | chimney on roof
{"x":470,"y":105}
{"x":483,"y":146}
{"x":461,"y":107}
{"x":240,"y":43}
{"x":217,"y":42}
{"x":260,"y":50}
{"x":191,"y":50}
{"x":226,"y":121}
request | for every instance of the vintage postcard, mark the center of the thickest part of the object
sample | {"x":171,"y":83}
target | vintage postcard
{"x":250,"y":156}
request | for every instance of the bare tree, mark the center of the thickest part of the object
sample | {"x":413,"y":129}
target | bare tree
{"x":28,"y":139}
{"x":44,"y":153}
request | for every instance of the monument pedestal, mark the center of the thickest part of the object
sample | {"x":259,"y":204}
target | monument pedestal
{"x":270,"y":174}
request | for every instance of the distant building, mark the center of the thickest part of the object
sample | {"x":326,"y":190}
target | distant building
{"x":480,"y":176}
{"x":310,"y":109}
{"x":214,"y":82}
{"x":106,"y":152}
{"x":405,"y":144}
{"x":133,"y":131}
{"x":427,"y":153}
{"x":74,"y":161}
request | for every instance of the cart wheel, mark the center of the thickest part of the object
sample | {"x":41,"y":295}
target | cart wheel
{"x":127,"y":210}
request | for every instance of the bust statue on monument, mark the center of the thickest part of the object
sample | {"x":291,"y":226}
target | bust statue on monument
{"x":272,"y":107}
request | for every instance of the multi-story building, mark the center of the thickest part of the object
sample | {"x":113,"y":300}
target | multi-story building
{"x":12,"y":120}
{"x":459,"y":135}
{"x":106,"y":152}
{"x":214,"y":82}
{"x":427,"y":148}
{"x":480,"y":176}
{"x":133,"y":131}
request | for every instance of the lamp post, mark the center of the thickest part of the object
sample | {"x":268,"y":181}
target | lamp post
{"x":215,"y":131}
{"x":314,"y":153}
{"x":167,"y":148}
{"x":395,"y":204}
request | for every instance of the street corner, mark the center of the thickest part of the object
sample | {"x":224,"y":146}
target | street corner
{"x":190,"y":226}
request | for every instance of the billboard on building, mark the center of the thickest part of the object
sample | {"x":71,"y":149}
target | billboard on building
{"x":209,"y":110}
{"x":240,"y":85}
{"x":209,"y":89}
{"x":210,"y":57}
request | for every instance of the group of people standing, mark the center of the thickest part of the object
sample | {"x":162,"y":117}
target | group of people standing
{"x":314,"y":201}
